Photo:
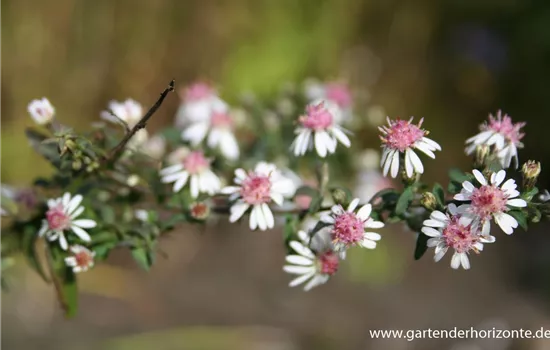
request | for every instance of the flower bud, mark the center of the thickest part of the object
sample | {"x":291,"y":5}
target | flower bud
{"x":339,"y":196}
{"x":482,"y":154}
{"x":199,"y":211}
{"x":530,"y":171}
{"x":41,"y":111}
{"x":77,"y":165}
{"x":428,"y":201}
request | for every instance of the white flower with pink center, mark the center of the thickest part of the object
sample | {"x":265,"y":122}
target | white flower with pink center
{"x":490,"y":200}
{"x":61,"y":216}
{"x":192,"y":166}
{"x":447,"y":231}
{"x":41,"y":111}
{"x":501,"y":133}
{"x":318,"y":128}
{"x":128,"y":111}
{"x":257,"y":189}
{"x":217,"y":128}
{"x":403,"y":137}
{"x":335,"y":92}
{"x":347,"y":227}
{"x":81,"y":259}
{"x":197,"y":103}
{"x":314,"y":263}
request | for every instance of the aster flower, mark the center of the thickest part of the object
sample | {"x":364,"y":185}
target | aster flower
{"x":217,"y":128}
{"x":348,"y":226}
{"x":198,"y":101}
{"x":61,"y":216}
{"x":192,"y":166}
{"x":81,"y":259}
{"x":490,"y":200}
{"x":404,"y":137}
{"x":315,"y":265}
{"x":501,"y":133}
{"x":447,"y":231}
{"x":256,"y":189}
{"x":335,"y":92}
{"x":319,"y":128}
{"x":129,"y":111}
{"x":41,"y":111}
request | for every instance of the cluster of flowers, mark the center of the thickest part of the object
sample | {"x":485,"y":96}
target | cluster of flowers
{"x":207,"y":122}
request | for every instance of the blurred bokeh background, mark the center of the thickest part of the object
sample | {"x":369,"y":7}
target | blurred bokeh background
{"x":451,"y":62}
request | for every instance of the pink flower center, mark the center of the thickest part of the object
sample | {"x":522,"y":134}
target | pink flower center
{"x":317,"y":117}
{"x":198,"y":91}
{"x":195,"y":162}
{"x":83,"y":259}
{"x":57,"y":219}
{"x":401,"y":135}
{"x":329,"y":263}
{"x":505,"y":127}
{"x":256,"y":189}
{"x":339,"y":93}
{"x":459,"y":237}
{"x":488,"y":200}
{"x":348,"y":229}
{"x":221,"y":120}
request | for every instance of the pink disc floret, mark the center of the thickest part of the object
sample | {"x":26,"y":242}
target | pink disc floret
{"x":83,"y":258}
{"x":57,"y":219}
{"x":348,"y":229}
{"x":488,"y":200}
{"x":328,"y":262}
{"x":221,"y":120}
{"x":197,"y":92}
{"x":195,"y":162}
{"x":256,"y":189}
{"x":504,"y":126}
{"x":401,"y":135}
{"x":339,"y":94}
{"x":317,"y":117}
{"x":459,"y":237}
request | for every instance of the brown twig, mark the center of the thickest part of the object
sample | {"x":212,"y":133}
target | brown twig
{"x":115,"y":153}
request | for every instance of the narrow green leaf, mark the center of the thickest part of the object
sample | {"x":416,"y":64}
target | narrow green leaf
{"x":458,"y":175}
{"x":528,"y":195}
{"x":439,"y":194}
{"x":520,"y":216}
{"x":421,"y":245}
{"x":404,"y":201}
{"x":70,"y":293}
{"x":141,"y":256}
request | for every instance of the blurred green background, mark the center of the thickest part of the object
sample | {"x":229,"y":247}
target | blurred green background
{"x":451,"y":62}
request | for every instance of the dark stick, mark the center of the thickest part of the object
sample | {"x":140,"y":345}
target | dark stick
{"x":118,"y":149}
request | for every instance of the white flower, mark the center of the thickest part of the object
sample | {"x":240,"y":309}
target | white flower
{"x":315,"y":264}
{"x":348,"y":227}
{"x":545,"y":196}
{"x":61,"y":216}
{"x":41,"y":111}
{"x":257,"y":189}
{"x":128,"y":111}
{"x":501,"y":133}
{"x":196,"y":167}
{"x":319,"y":128}
{"x":154,"y":147}
{"x":141,"y":215}
{"x":217,"y":128}
{"x":446,"y":231}
{"x":402,"y":136}
{"x":81,"y":260}
{"x":335,"y":92}
{"x":198,"y":100}
{"x":490,"y":200}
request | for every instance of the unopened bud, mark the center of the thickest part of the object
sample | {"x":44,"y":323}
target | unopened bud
{"x":531,"y":172}
{"x":429,"y":201}
{"x":482,"y":154}
{"x":70,"y":144}
{"x":132,"y":180}
{"x":199,"y":211}
{"x":77,"y":165}
{"x":339,"y":196}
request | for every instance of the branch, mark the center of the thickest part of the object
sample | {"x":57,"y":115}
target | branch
{"x":115,"y":153}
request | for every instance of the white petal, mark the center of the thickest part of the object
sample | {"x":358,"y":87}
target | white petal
{"x":277,"y":198}
{"x":237,"y":210}
{"x":195,"y":133}
{"x":63,"y":241}
{"x":434,"y":223}
{"x":320,"y":145}
{"x":440,"y":252}
{"x":194,"y":186}
{"x":74,"y":203}
{"x":298,"y":260}
{"x":66,"y":199}
{"x":300,"y":280}
{"x":395,"y":164}
{"x":229,"y":146}
{"x":81,"y":233}
{"x":301,"y":249}
{"x":506,"y":222}
{"x":230,"y":189}
{"x":268,"y":215}
{"x":468,"y":186}
{"x":432,"y":242}
{"x":77,"y":212}
{"x":496,"y":179}
{"x":431,"y":143}
{"x":432,"y":232}
{"x":517,"y":203}
{"x":85,"y":223}
{"x":260,"y":217}
{"x":462,"y":196}
{"x":364,"y":212}
{"x":373,"y":224}
{"x":409,"y":169}
{"x":373,"y":236}
{"x":340,"y":136}
{"x":479,"y":177}
{"x":388,"y":162}
{"x":253,"y":220}
{"x":465,"y":261}
{"x":298,"y":270}
{"x":416,"y":162}
{"x":424,"y":148}
{"x":315,"y":281}
{"x":171,"y":169}
{"x":180,"y":182}
{"x":456,"y":261}
{"x":437,"y":215}
{"x":367,"y":243}
{"x":509,"y":185}
{"x":353,"y":205}
{"x":327,"y":219}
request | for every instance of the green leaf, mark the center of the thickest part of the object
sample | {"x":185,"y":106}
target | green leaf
{"x":47,"y":150}
{"x":439,"y":195}
{"x":528,"y":195}
{"x":30,"y":244}
{"x":315,"y":204}
{"x":142,"y":257}
{"x":306,"y":191}
{"x":172,"y":135}
{"x":64,"y":281}
{"x":404,"y":201}
{"x":290,"y":228}
{"x":520,"y":216}
{"x":70,"y":293}
{"x":458,"y":175}
{"x":421,"y":245}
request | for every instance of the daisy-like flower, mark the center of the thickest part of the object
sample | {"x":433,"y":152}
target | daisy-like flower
{"x":257,"y":189}
{"x":217,"y":128}
{"x":81,"y":260}
{"x":129,"y":111}
{"x":490,"y":200}
{"x":402,"y":136}
{"x":447,"y":231}
{"x":61,"y":216}
{"x":193,"y":166}
{"x":335,"y":92}
{"x":198,"y":100}
{"x":348,"y":226}
{"x":319,"y":128}
{"x":315,"y":264}
{"x":501,"y":133}
{"x":41,"y":111}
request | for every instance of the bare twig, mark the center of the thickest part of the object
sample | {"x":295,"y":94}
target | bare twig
{"x":119,"y":148}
